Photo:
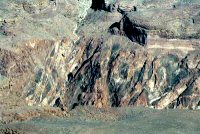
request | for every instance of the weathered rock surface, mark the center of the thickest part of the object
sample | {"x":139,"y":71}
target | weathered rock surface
{"x":65,"y":54}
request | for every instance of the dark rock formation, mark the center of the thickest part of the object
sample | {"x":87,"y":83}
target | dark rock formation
{"x":98,"y":5}
{"x":59,"y":104}
{"x":132,"y":31}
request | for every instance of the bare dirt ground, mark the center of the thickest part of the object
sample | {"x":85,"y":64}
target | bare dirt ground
{"x":89,"y":120}
{"x":64,"y":50}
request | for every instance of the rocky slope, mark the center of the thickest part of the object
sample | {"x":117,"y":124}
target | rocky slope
{"x":114,"y":54}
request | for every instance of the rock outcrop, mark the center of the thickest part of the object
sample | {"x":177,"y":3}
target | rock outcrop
{"x":61,"y":56}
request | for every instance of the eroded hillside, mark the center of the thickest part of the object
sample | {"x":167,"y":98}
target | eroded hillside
{"x":66,"y":53}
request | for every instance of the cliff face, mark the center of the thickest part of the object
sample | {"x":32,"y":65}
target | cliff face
{"x":138,"y":54}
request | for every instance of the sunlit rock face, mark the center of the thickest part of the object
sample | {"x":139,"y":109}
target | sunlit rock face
{"x":66,"y":54}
